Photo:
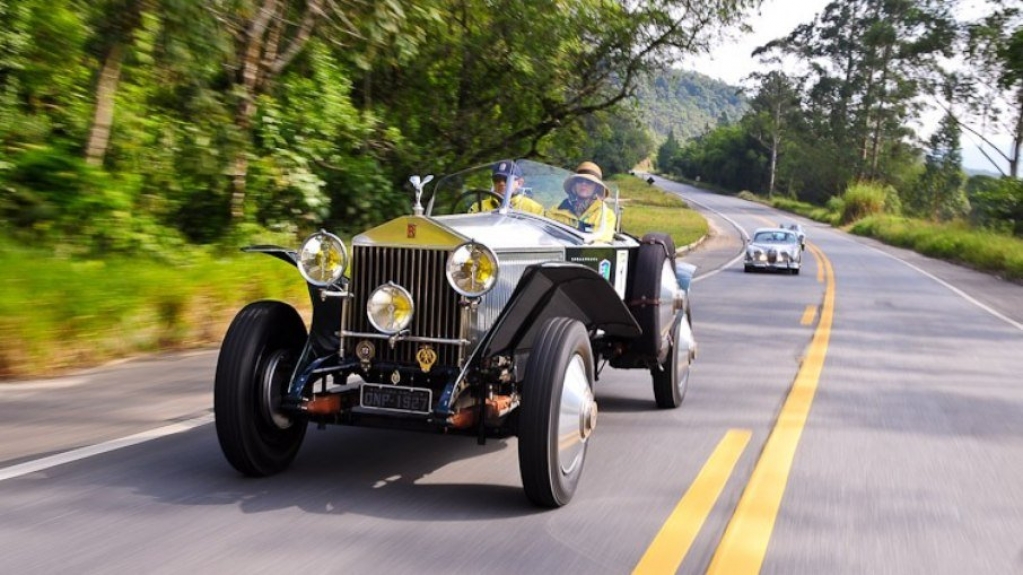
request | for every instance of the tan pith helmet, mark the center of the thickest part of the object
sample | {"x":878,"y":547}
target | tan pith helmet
{"x":586,"y":171}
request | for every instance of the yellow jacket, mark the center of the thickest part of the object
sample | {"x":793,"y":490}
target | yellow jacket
{"x":518,"y":202}
{"x":597,"y":218}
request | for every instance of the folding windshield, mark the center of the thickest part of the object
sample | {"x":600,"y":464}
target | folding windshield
{"x":530,"y":187}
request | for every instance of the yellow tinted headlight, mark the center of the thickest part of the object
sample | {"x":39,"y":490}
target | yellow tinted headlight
{"x":322,"y":259}
{"x":390,"y":308}
{"x":472,"y":269}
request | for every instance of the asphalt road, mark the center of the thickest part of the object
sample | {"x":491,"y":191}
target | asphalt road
{"x":865,"y":416}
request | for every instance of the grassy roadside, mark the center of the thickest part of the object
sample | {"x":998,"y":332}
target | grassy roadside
{"x":58,"y":314}
{"x":650,"y":209}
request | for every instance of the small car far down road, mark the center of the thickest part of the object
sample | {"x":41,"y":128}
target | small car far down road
{"x":773,"y":249}
{"x":798,"y":230}
{"x":475,"y":314}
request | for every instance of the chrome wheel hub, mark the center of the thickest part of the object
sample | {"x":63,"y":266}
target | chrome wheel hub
{"x":577,"y":416}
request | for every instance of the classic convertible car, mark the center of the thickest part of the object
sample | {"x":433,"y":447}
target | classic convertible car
{"x":460,"y":320}
{"x":773,"y":249}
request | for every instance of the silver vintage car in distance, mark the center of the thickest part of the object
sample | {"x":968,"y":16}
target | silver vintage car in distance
{"x":773,"y":249}
{"x":458,"y":319}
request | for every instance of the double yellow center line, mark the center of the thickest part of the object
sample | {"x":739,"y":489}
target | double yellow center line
{"x":744,"y":544}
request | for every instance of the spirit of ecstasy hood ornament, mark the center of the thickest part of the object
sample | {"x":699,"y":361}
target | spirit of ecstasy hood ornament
{"x":418,"y":183}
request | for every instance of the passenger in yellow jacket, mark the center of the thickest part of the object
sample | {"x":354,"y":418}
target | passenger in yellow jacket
{"x":584,"y":208}
{"x":506,"y":177}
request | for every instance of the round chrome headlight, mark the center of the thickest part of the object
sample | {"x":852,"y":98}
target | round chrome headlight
{"x":472,"y":269}
{"x":390,"y":308}
{"x":322,"y":259}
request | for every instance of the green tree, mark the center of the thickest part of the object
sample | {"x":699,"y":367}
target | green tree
{"x":668,"y":152}
{"x":615,"y":139}
{"x":775,"y":111}
{"x":939,"y":194}
{"x":499,"y":78}
{"x":269,"y":35}
{"x":994,"y":84}
{"x":867,"y":61}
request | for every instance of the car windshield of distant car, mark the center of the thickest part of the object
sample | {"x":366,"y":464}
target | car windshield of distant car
{"x":774,"y":237}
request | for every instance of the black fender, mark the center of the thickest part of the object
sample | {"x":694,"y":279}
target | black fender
{"x":557,"y":289}
{"x":281,"y":253}
{"x":324,"y":338}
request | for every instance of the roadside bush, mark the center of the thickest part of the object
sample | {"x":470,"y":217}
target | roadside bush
{"x":861,"y":200}
{"x":997,"y":204}
{"x":957,"y":242}
{"x":53,"y":198}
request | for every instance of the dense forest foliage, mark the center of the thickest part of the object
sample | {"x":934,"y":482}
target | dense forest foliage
{"x":687,"y":104}
{"x":130,"y":125}
{"x":868,"y":70}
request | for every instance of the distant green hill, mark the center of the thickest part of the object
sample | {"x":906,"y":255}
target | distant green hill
{"x":688,"y":102}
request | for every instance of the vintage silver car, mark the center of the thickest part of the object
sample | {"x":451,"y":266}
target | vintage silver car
{"x":460,"y":320}
{"x":773,"y":249}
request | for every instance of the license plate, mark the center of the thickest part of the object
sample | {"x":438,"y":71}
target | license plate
{"x":396,"y":398}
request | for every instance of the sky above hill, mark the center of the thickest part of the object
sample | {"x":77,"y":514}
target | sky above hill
{"x":731,"y":62}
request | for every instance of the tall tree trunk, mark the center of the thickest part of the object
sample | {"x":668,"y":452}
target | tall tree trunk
{"x":251,"y":77}
{"x":882,"y":99}
{"x":775,"y":143}
{"x":103,"y":118}
{"x":1017,"y":138}
{"x":263,"y":59}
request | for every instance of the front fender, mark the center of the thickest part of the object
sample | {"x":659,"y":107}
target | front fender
{"x":281,"y":253}
{"x":558,"y":289}
{"x":324,"y":338}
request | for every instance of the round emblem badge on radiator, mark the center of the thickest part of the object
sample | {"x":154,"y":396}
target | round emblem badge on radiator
{"x":426,"y":356}
{"x":365,"y":350}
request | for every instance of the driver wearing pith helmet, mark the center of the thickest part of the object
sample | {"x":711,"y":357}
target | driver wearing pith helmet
{"x":584,"y":208}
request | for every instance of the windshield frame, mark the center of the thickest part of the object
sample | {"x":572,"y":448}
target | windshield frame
{"x":466,"y":191}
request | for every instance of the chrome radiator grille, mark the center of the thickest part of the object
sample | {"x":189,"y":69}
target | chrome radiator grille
{"x":437,"y":310}
{"x":421,"y":272}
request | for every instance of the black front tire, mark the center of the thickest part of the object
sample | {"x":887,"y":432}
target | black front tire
{"x":671,"y":379}
{"x":254,"y":368}
{"x":557,"y":414}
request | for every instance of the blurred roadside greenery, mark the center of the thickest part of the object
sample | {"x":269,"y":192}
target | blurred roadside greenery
{"x":59,"y":313}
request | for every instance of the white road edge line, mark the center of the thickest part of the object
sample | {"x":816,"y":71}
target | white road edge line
{"x":742,"y":232}
{"x":100,"y":448}
{"x":951,"y":287}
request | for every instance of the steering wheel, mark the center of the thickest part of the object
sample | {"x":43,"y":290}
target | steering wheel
{"x":478,"y":194}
